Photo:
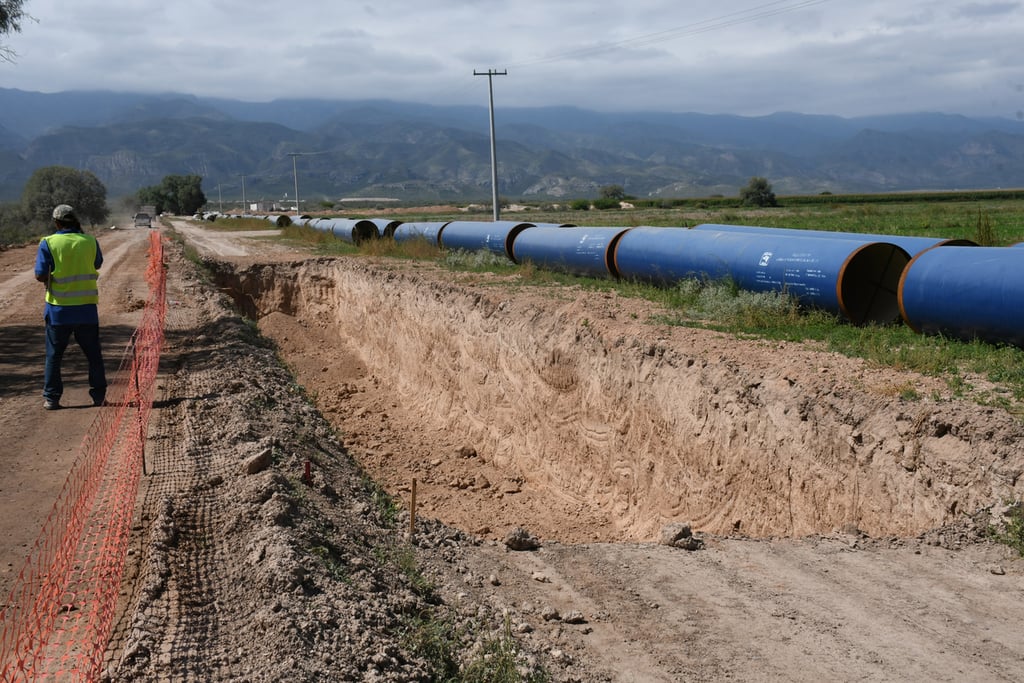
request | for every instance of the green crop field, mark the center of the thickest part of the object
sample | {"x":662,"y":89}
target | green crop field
{"x":999,"y":217}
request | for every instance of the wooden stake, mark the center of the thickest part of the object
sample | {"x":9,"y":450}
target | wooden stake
{"x":412,"y":510}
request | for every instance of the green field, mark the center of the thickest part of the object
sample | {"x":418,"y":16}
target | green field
{"x":944,"y":219}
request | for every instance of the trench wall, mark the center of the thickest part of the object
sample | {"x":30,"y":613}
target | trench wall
{"x":649,"y":426}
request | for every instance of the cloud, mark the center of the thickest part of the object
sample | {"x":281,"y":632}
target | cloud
{"x":743,"y":57}
{"x":985,"y":10}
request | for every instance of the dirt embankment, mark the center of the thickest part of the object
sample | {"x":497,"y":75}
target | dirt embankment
{"x":568,"y":413}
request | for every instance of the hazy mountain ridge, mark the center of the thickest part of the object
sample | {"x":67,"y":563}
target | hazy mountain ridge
{"x":415,"y":151}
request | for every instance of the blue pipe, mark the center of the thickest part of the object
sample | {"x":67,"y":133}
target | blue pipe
{"x":855,"y":279}
{"x":347,"y":229}
{"x":913,"y":245}
{"x":494,"y":236}
{"x":280,"y":221}
{"x":580,"y":251}
{"x":967,"y":293}
{"x":430,"y":231}
{"x":385,"y":226}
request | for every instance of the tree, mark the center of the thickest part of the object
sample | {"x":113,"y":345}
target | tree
{"x":153,"y":195}
{"x":758,"y":192}
{"x":177,"y":194}
{"x":53,"y":185}
{"x":613,"y":192}
{"x":11,"y":15}
{"x":13,"y":226}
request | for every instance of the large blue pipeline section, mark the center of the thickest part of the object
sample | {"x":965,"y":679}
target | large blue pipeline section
{"x":496,"y":236}
{"x":580,"y":251}
{"x":429,"y":231}
{"x":857,"y":279}
{"x":354,"y":231}
{"x":967,"y":293}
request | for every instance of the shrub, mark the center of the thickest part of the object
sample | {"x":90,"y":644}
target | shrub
{"x":758,"y":192}
{"x":616,"y":192}
{"x":14,"y":227}
{"x":606,"y":203}
{"x":984,"y":235}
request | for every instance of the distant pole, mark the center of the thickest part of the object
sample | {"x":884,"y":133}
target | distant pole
{"x":220,"y":200}
{"x":295,"y":174}
{"x":494,"y":150}
{"x":245,"y":208}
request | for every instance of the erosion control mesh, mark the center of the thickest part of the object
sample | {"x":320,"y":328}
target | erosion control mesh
{"x":57,"y":619}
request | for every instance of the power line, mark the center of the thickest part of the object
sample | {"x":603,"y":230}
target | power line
{"x":762,"y":11}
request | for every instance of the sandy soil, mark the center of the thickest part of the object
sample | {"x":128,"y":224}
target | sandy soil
{"x":841,"y":525}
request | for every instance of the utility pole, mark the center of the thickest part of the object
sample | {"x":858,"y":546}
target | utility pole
{"x":295,"y":175}
{"x":245,"y":209}
{"x":494,"y":151}
{"x":220,"y":200}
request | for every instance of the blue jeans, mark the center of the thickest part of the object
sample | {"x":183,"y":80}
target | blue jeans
{"x":88,"y":338}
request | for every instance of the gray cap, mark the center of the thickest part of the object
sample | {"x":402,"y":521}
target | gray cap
{"x":65,"y":214}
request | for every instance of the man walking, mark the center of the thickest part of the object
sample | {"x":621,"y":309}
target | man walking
{"x":68,"y":262}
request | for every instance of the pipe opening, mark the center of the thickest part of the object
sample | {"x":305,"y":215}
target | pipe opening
{"x":868,"y":282}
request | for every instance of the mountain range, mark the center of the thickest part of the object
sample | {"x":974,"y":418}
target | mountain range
{"x":338,"y":149}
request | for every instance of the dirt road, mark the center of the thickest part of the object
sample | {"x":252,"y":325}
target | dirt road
{"x":510,"y":412}
{"x":38,"y":446}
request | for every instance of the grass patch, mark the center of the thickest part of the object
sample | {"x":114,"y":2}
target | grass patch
{"x":403,"y":557}
{"x":330,"y":557}
{"x":1011,"y":533}
{"x":417,"y":249}
{"x":496,"y":659}
{"x":436,"y":641}
{"x":240,"y":224}
{"x":478,"y":262}
{"x":724,"y":306}
{"x":384,"y":503}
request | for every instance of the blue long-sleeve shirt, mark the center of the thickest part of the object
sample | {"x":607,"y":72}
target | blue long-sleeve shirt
{"x":82,"y":314}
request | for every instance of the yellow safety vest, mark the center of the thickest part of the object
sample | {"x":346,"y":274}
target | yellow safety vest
{"x":73,"y":280}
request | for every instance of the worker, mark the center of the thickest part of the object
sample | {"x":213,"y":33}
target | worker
{"x":68,"y":262}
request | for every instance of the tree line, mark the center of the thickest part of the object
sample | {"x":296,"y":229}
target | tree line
{"x":52,"y":185}
{"x":757,"y":192}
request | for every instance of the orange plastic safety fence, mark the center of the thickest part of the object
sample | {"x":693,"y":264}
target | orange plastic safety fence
{"x":58,"y":618}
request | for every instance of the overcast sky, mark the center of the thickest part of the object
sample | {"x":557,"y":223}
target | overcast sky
{"x":745,"y":57}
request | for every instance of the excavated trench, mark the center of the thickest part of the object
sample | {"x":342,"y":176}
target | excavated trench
{"x":627,"y":424}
